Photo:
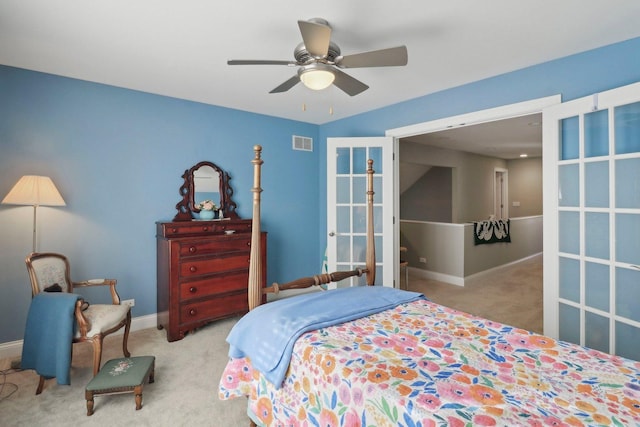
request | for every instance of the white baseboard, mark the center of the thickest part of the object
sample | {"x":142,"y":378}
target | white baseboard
{"x":460,"y":281}
{"x":13,"y":349}
{"x":496,"y":269}
{"x":434,"y":275}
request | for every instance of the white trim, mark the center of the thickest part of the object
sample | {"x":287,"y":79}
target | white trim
{"x":504,"y":197}
{"x":13,"y":349}
{"x":497,"y":268}
{"x":434,"y":275}
{"x":461,"y":281}
{"x":476,"y":117}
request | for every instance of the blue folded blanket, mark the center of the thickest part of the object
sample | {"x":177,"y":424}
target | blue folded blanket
{"x":48,"y":336}
{"x":267,"y":334}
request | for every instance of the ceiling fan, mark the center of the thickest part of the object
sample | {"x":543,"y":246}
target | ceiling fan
{"x":320,"y":61}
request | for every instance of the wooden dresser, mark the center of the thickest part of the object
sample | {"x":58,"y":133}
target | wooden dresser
{"x":203,"y":272}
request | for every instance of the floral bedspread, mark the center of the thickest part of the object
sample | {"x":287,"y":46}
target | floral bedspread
{"x":422,"y":364}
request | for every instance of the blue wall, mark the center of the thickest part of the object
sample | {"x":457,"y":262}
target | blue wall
{"x":117,"y":156}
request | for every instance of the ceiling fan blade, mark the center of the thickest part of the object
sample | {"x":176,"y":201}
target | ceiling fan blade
{"x":287,"y":85}
{"x":316,"y":38}
{"x":394,"y":56}
{"x":348,"y":84}
{"x":260,"y":62}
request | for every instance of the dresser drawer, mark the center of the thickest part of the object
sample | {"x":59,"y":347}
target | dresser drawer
{"x":215,"y":264}
{"x":217,"y":245}
{"x":213,"y":309}
{"x":214,"y":285}
{"x":202,"y":228}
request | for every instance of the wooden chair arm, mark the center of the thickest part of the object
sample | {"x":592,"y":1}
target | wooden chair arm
{"x":115,"y":298}
{"x":83,"y":323}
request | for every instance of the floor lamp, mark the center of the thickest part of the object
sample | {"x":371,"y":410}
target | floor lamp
{"x":34,"y":191}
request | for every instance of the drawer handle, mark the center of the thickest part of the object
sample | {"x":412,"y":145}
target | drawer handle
{"x":193,"y":312}
{"x":174,"y":230}
{"x":249,"y":243}
{"x":205,"y":228}
{"x":193,"y":269}
{"x":193,"y":289}
{"x":192,"y":249}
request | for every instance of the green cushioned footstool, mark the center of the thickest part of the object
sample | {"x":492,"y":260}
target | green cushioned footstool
{"x":122,"y":375}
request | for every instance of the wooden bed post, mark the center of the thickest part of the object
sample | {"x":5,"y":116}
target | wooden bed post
{"x":371,"y":244}
{"x":255,"y":289}
{"x":255,"y":260}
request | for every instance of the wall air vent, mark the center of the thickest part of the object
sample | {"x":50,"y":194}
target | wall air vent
{"x":302,"y":143}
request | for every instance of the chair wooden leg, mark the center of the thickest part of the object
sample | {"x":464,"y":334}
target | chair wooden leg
{"x":40,"y":385}
{"x":125,"y":339}
{"x":97,"y":353}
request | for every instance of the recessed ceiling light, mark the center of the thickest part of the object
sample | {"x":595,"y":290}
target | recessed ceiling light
{"x":523,"y":155}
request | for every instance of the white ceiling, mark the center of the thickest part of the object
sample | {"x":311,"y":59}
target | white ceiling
{"x":179,"y":48}
{"x":504,"y":139}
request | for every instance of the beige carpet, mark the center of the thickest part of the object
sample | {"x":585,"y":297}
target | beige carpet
{"x":512,"y":295}
{"x":184,"y":392}
{"x":188,"y":371}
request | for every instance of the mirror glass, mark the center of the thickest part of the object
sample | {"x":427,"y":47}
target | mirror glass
{"x":206,"y":181}
{"x":206,"y":186}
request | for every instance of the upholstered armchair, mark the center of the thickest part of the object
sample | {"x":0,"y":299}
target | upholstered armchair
{"x":50,"y":272}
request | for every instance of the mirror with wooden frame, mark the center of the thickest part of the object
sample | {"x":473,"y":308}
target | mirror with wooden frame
{"x":205,"y":181}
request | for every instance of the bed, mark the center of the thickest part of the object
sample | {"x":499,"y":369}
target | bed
{"x":394,"y":358}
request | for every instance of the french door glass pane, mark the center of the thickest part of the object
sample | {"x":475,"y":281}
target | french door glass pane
{"x":628,"y":183}
{"x":377,"y":189}
{"x":569,"y":323}
{"x":596,"y":133}
{"x":343,"y":253}
{"x":377,"y":219}
{"x":596,"y":235}
{"x":598,"y":328}
{"x":627,"y":240}
{"x":569,"y":232}
{"x":359,"y":165}
{"x":343,"y":219}
{"x":596,"y":187}
{"x":375,"y":154}
{"x":569,"y":191}
{"x":359,"y":219}
{"x":627,"y":118}
{"x":628,"y":294}
{"x":359,"y":249}
{"x":596,"y":277}
{"x":569,"y":142}
{"x":359,"y":189}
{"x":569,"y":279}
{"x":343,"y":190}
{"x":627,"y":341}
{"x":343,"y":163}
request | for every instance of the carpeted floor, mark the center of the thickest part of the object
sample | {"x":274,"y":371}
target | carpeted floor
{"x":512,"y":295}
{"x":185,"y":391}
{"x":188,"y":371}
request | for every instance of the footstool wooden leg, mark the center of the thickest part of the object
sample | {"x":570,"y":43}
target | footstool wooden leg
{"x":89,"y":396}
{"x":138,"y":392}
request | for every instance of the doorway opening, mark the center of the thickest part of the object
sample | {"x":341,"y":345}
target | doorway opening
{"x":482,"y":133}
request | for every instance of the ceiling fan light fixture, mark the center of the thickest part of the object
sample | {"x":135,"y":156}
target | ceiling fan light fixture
{"x":317,"y":76}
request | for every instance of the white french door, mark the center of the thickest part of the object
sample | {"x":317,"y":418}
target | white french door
{"x":346,"y":206}
{"x":591,"y":170}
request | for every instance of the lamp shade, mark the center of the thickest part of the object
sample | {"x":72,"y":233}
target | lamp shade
{"x":35,"y":191}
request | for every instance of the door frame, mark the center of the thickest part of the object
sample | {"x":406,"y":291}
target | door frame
{"x":477,"y":117}
{"x":501,"y":191}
